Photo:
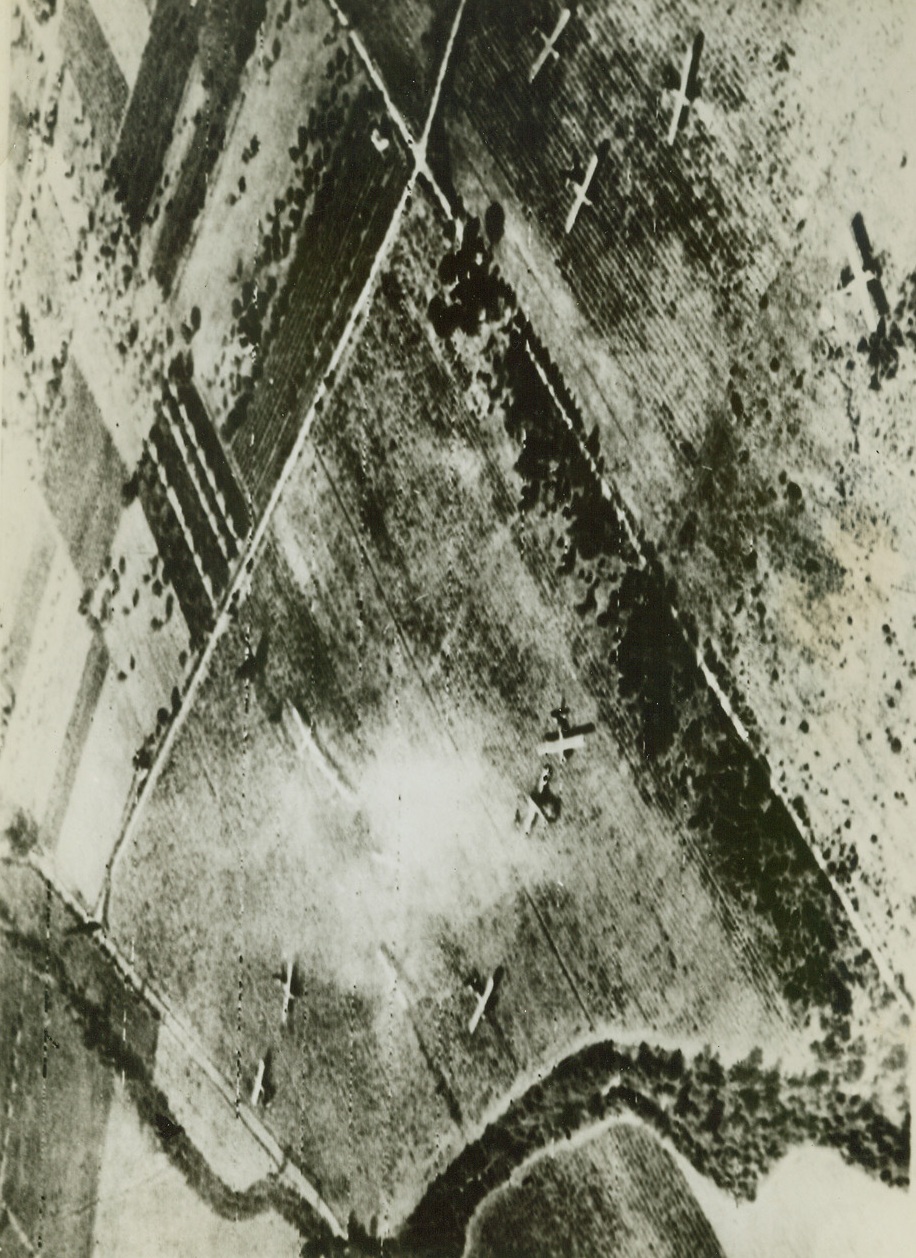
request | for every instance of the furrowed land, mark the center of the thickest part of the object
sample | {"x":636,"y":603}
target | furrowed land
{"x":408,"y":613}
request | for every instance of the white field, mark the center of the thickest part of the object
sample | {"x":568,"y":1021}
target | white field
{"x":125,"y":24}
{"x":271,"y":105}
{"x":146,"y":1209}
{"x":124,"y":716}
{"x":46,"y":692}
{"x":812,"y":1205}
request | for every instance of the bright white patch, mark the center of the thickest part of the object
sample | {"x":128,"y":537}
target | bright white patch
{"x":125,"y":24}
{"x":813,"y":1205}
{"x":429,"y":837}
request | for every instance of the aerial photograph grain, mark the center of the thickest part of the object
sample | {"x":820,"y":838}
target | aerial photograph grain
{"x":457,"y":628}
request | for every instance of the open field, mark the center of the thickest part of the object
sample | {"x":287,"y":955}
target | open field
{"x":124,"y":26}
{"x":53,"y":1123}
{"x":147,"y":1209}
{"x":621,"y":1188}
{"x":405,"y":613}
{"x":456,"y":641}
{"x":155,"y":101}
{"x":697,"y":305}
{"x":258,"y":180}
{"x":76,"y":1018}
{"x":101,"y":85}
{"x":26,"y":80}
{"x":229,"y":34}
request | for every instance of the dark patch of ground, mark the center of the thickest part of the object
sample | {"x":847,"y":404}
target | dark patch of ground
{"x":407,"y":40}
{"x":228,"y":38}
{"x":148,"y":124}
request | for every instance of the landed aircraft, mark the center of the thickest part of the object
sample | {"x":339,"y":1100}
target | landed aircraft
{"x":689,"y":89}
{"x":549,"y":49}
{"x":292,"y":987}
{"x":567,"y":738}
{"x":167,"y":1127}
{"x":486,"y":996}
{"x":253,"y":665}
{"x":582,"y":182}
{"x":87,"y":927}
{"x":541,"y":805}
{"x":262,"y":1089}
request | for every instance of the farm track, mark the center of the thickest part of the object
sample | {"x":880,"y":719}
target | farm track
{"x":324,"y":283}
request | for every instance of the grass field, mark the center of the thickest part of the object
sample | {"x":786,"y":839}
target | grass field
{"x":259,"y":167}
{"x":101,"y":85}
{"x":697,"y":305}
{"x":68,"y":1011}
{"x":229,"y":36}
{"x":125,"y":25}
{"x":57,"y":1118}
{"x":165,"y":1214}
{"x":154,"y":104}
{"x":73,"y":1031}
{"x":404,"y":607}
{"x":26,"y":84}
{"x":621,"y":1189}
{"x":87,"y":506}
